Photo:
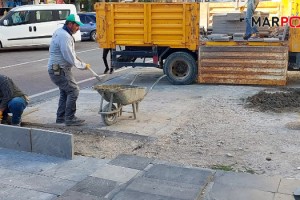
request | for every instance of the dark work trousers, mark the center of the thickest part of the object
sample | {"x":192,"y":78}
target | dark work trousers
{"x":15,"y":106}
{"x":69,"y":92}
{"x":104,"y":57}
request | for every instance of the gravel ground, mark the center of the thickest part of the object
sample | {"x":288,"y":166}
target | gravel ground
{"x":213,"y":126}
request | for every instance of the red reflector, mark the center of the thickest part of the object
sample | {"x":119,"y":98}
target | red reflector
{"x":155,"y":59}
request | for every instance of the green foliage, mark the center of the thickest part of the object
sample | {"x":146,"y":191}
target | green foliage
{"x":222,"y":167}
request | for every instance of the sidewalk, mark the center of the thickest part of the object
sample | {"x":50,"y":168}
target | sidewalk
{"x":127,"y":177}
{"x":33,"y":176}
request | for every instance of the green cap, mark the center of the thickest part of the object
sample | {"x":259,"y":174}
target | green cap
{"x":74,"y":18}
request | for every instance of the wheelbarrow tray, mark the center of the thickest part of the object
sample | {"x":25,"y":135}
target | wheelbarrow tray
{"x":122,"y":94}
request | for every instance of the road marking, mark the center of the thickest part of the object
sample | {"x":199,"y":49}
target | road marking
{"x":35,"y":61}
{"x":79,"y":82}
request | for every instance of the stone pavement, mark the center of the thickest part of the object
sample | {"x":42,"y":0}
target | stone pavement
{"x":33,"y":176}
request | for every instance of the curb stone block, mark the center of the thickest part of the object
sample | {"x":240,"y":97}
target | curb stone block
{"x":13,"y":137}
{"x":52,"y":143}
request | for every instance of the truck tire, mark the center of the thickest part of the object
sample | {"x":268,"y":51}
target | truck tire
{"x":180,"y":68}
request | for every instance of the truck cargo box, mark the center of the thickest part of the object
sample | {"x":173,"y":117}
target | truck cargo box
{"x":174,"y":25}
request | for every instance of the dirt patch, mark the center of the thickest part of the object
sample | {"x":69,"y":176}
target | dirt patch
{"x":284,"y":100}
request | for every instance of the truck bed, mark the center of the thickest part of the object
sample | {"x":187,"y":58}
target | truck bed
{"x":174,"y":25}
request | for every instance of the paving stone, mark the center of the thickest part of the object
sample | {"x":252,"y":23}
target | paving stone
{"x":283,"y":197}
{"x":288,"y":186}
{"x":131,"y":161}
{"x":115,"y":173}
{"x":271,"y":39}
{"x":234,"y":16}
{"x":179,"y":174}
{"x":214,"y":36}
{"x":25,"y":165}
{"x":165,"y":188}
{"x":238,"y":34}
{"x":26,"y":161}
{"x":76,"y":169}
{"x":95,"y":186}
{"x":73,"y":195}
{"x":297,"y":192}
{"x":135,"y":195}
{"x":8,"y":192}
{"x":35,"y":182}
{"x":256,"y":39}
{"x":263,"y":183}
{"x":13,"y":137}
{"x":14,"y":154}
{"x":52,"y":143}
{"x":228,"y":192}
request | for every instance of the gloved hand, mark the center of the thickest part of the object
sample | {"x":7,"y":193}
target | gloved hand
{"x":88,"y":66}
{"x":242,"y":8}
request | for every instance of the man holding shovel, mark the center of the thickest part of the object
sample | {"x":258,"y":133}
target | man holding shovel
{"x":62,"y":59}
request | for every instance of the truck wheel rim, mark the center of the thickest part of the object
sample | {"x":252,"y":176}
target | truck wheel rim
{"x":180,"y":69}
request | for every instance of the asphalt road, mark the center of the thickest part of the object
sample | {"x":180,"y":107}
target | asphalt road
{"x":28,"y":68}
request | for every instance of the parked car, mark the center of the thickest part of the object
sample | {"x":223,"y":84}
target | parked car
{"x":88,"y":30}
{"x":32,"y":25}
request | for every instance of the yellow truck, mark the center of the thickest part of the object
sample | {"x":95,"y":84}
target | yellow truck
{"x":169,"y":34}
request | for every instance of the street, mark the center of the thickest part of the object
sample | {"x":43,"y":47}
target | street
{"x":28,"y":68}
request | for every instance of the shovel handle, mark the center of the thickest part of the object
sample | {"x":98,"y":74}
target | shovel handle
{"x":89,"y":68}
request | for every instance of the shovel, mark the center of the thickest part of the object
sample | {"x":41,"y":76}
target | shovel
{"x":94,"y":73}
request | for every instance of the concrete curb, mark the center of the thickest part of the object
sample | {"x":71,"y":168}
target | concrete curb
{"x":50,"y":143}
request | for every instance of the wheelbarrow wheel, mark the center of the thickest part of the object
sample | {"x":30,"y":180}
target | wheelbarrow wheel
{"x":109,"y":119}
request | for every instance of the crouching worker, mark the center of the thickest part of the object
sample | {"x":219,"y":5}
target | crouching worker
{"x":12,"y":100}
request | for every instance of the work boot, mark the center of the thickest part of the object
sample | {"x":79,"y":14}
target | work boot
{"x":246,"y":37}
{"x":18,"y":124}
{"x":60,"y":121}
{"x":74,"y":122}
{"x":111,"y":70}
{"x":6,"y":120}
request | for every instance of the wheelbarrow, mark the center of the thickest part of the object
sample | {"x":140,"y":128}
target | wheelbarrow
{"x":118,"y":96}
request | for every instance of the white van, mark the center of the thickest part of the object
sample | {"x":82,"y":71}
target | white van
{"x":32,"y":25}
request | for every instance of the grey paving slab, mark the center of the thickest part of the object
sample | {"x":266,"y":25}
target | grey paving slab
{"x":95,"y":186}
{"x":135,"y":195}
{"x":263,"y":183}
{"x":233,"y":16}
{"x":165,"y":188}
{"x":283,"y":197}
{"x":131,"y":161}
{"x":35,"y":182}
{"x":116,"y":173}
{"x":288,"y":186}
{"x":14,"y":154}
{"x":25,"y":165}
{"x":8,"y":192}
{"x":179,"y":174}
{"x":77,"y":169}
{"x":13,"y":137}
{"x":73,"y":195}
{"x":228,"y":192}
{"x":52,"y":143}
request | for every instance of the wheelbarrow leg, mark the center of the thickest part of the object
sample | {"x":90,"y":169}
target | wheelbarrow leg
{"x":111,"y":101}
{"x":134,"y":110}
{"x":137,"y":106}
{"x":101,"y":102}
{"x":119,"y":106}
